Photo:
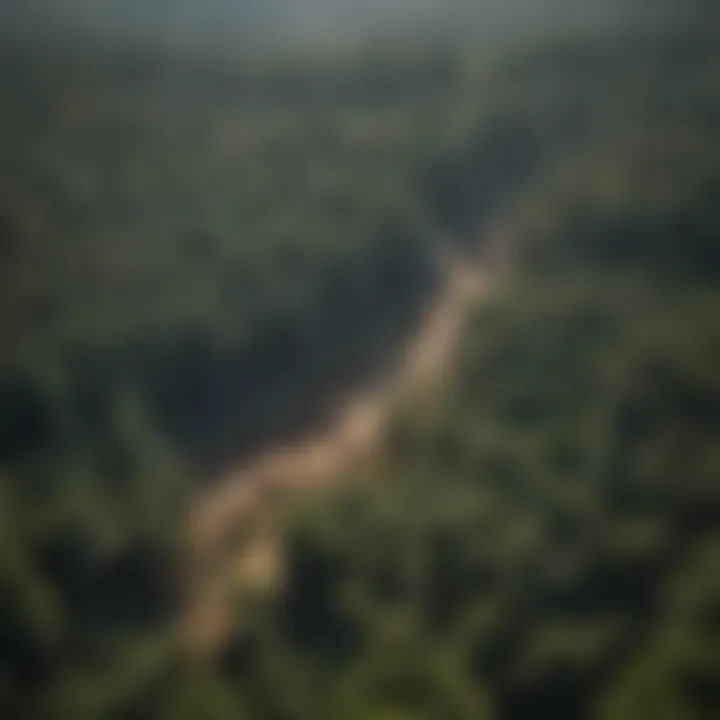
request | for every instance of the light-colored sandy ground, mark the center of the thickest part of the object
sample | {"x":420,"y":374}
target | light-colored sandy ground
{"x":233,"y":539}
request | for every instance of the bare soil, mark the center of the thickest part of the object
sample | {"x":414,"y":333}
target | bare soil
{"x":234,"y":537}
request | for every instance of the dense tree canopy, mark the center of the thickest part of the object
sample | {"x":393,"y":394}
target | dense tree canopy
{"x":193,"y":258}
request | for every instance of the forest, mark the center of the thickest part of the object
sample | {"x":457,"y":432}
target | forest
{"x":198,"y":257}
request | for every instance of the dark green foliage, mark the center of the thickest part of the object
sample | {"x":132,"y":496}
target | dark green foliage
{"x":550,"y":529}
{"x":189,"y":254}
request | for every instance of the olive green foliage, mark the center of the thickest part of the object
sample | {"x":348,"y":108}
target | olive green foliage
{"x":544,"y":542}
{"x":189,"y":253}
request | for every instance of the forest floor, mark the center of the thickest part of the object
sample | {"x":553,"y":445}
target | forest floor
{"x":235,"y":541}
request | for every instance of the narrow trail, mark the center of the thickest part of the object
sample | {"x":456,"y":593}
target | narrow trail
{"x":233,"y":539}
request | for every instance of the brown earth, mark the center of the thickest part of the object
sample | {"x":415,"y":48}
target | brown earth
{"x":234,"y":537}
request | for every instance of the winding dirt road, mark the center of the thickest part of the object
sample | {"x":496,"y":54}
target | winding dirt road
{"x":233,"y":540}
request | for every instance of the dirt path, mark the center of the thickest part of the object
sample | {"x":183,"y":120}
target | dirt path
{"x":233,"y":539}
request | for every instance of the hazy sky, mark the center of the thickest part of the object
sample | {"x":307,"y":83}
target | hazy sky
{"x":223,"y":22}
